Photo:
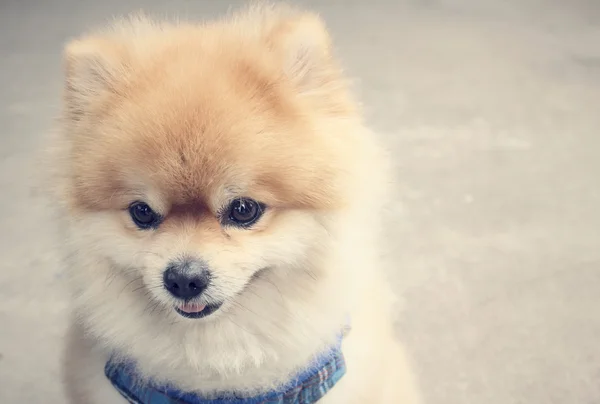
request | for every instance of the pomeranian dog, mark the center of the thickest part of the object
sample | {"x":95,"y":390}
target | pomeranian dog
{"x":222,"y":198}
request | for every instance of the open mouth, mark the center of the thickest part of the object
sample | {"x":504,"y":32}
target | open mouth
{"x":196,"y":310}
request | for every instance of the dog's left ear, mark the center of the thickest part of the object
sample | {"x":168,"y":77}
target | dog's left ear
{"x":303,"y":46}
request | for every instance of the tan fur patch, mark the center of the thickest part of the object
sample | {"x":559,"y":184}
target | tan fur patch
{"x":200,"y":109}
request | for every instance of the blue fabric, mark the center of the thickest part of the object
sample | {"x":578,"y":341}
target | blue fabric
{"x":306,"y":388}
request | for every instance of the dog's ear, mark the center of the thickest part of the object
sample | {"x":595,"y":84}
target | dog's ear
{"x":94,"y":67}
{"x":303,"y":46}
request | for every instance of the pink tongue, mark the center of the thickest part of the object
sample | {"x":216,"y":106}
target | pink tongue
{"x":192,"y":308}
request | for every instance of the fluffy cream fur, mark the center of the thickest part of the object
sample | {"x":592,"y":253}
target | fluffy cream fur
{"x":187,"y":117}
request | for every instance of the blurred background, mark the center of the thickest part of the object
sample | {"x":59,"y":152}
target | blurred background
{"x":491,"y":109}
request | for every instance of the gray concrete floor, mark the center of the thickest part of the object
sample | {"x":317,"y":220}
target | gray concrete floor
{"x":492,"y":111}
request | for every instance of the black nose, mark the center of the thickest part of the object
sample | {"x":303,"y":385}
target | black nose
{"x":186,"y":279}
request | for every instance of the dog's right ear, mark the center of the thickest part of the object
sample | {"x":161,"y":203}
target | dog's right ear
{"x":94,"y":69}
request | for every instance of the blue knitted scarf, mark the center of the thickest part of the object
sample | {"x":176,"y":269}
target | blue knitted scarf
{"x":307,"y":387}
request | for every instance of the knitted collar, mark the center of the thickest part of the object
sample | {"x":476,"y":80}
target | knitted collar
{"x":307,"y":387}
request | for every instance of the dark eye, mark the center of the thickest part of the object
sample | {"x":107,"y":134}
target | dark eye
{"x":244,"y":212}
{"x":143,"y":215}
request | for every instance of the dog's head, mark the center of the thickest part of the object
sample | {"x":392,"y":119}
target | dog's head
{"x":203,"y":155}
